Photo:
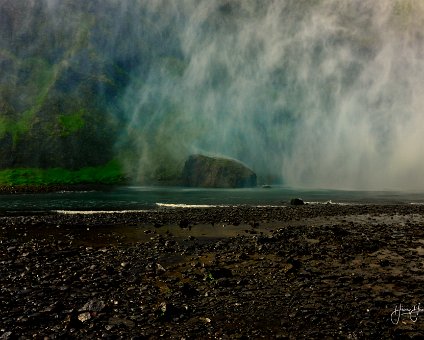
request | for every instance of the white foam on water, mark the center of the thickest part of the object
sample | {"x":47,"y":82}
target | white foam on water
{"x":185,"y":206}
{"x":94,"y":212}
{"x":327,"y":202}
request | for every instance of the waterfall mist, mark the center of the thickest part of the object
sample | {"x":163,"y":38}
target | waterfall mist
{"x":322,"y":93}
{"x":312,"y":93}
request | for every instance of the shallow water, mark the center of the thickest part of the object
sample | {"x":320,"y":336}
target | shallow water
{"x":142,"y":198}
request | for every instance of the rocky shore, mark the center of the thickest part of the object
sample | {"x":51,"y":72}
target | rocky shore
{"x":322,"y":271}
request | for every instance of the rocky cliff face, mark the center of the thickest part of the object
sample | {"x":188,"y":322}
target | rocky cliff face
{"x":216,"y":172}
{"x":65,"y":67}
{"x":58,"y":83}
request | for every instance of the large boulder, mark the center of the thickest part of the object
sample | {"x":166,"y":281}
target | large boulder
{"x":216,"y":172}
{"x":297,"y":201}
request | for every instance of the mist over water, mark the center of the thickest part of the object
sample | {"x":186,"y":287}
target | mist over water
{"x":310,"y":93}
{"x":322,"y":93}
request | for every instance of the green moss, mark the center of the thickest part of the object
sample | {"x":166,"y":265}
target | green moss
{"x":16,"y":128}
{"x":110,"y":173}
{"x":41,"y":77}
{"x":72,"y":123}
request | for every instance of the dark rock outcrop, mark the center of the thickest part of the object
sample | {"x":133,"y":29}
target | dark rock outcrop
{"x":297,"y":201}
{"x":216,"y":172}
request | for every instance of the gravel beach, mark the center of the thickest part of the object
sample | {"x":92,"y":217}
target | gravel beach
{"x":313,"y":271}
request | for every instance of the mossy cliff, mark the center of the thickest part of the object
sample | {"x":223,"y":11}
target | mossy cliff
{"x":53,"y":85}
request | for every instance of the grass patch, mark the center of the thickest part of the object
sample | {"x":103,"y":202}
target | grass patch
{"x":110,"y":173}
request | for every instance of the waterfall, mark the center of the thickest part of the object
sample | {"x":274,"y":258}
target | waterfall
{"x":312,"y":93}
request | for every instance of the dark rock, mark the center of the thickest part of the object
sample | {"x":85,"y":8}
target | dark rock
{"x":339,"y":232}
{"x":188,"y":290}
{"x":296,"y":264}
{"x":184,"y":223}
{"x":297,"y":201}
{"x":384,"y":263}
{"x":223,"y":282}
{"x":254,"y":224}
{"x":168,"y":311}
{"x":219,"y":273}
{"x":216,"y":172}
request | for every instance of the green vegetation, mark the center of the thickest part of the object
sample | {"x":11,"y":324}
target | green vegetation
{"x":42,"y":77}
{"x":70,"y":124}
{"x":209,"y":278}
{"x":110,"y":173}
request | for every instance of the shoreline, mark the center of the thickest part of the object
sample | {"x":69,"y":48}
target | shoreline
{"x":40,"y":189}
{"x":289,"y":272}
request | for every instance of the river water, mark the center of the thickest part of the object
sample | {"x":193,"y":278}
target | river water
{"x":142,"y":198}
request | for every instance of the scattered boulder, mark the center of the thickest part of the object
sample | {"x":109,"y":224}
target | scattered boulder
{"x":297,"y":201}
{"x":217,"y":172}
